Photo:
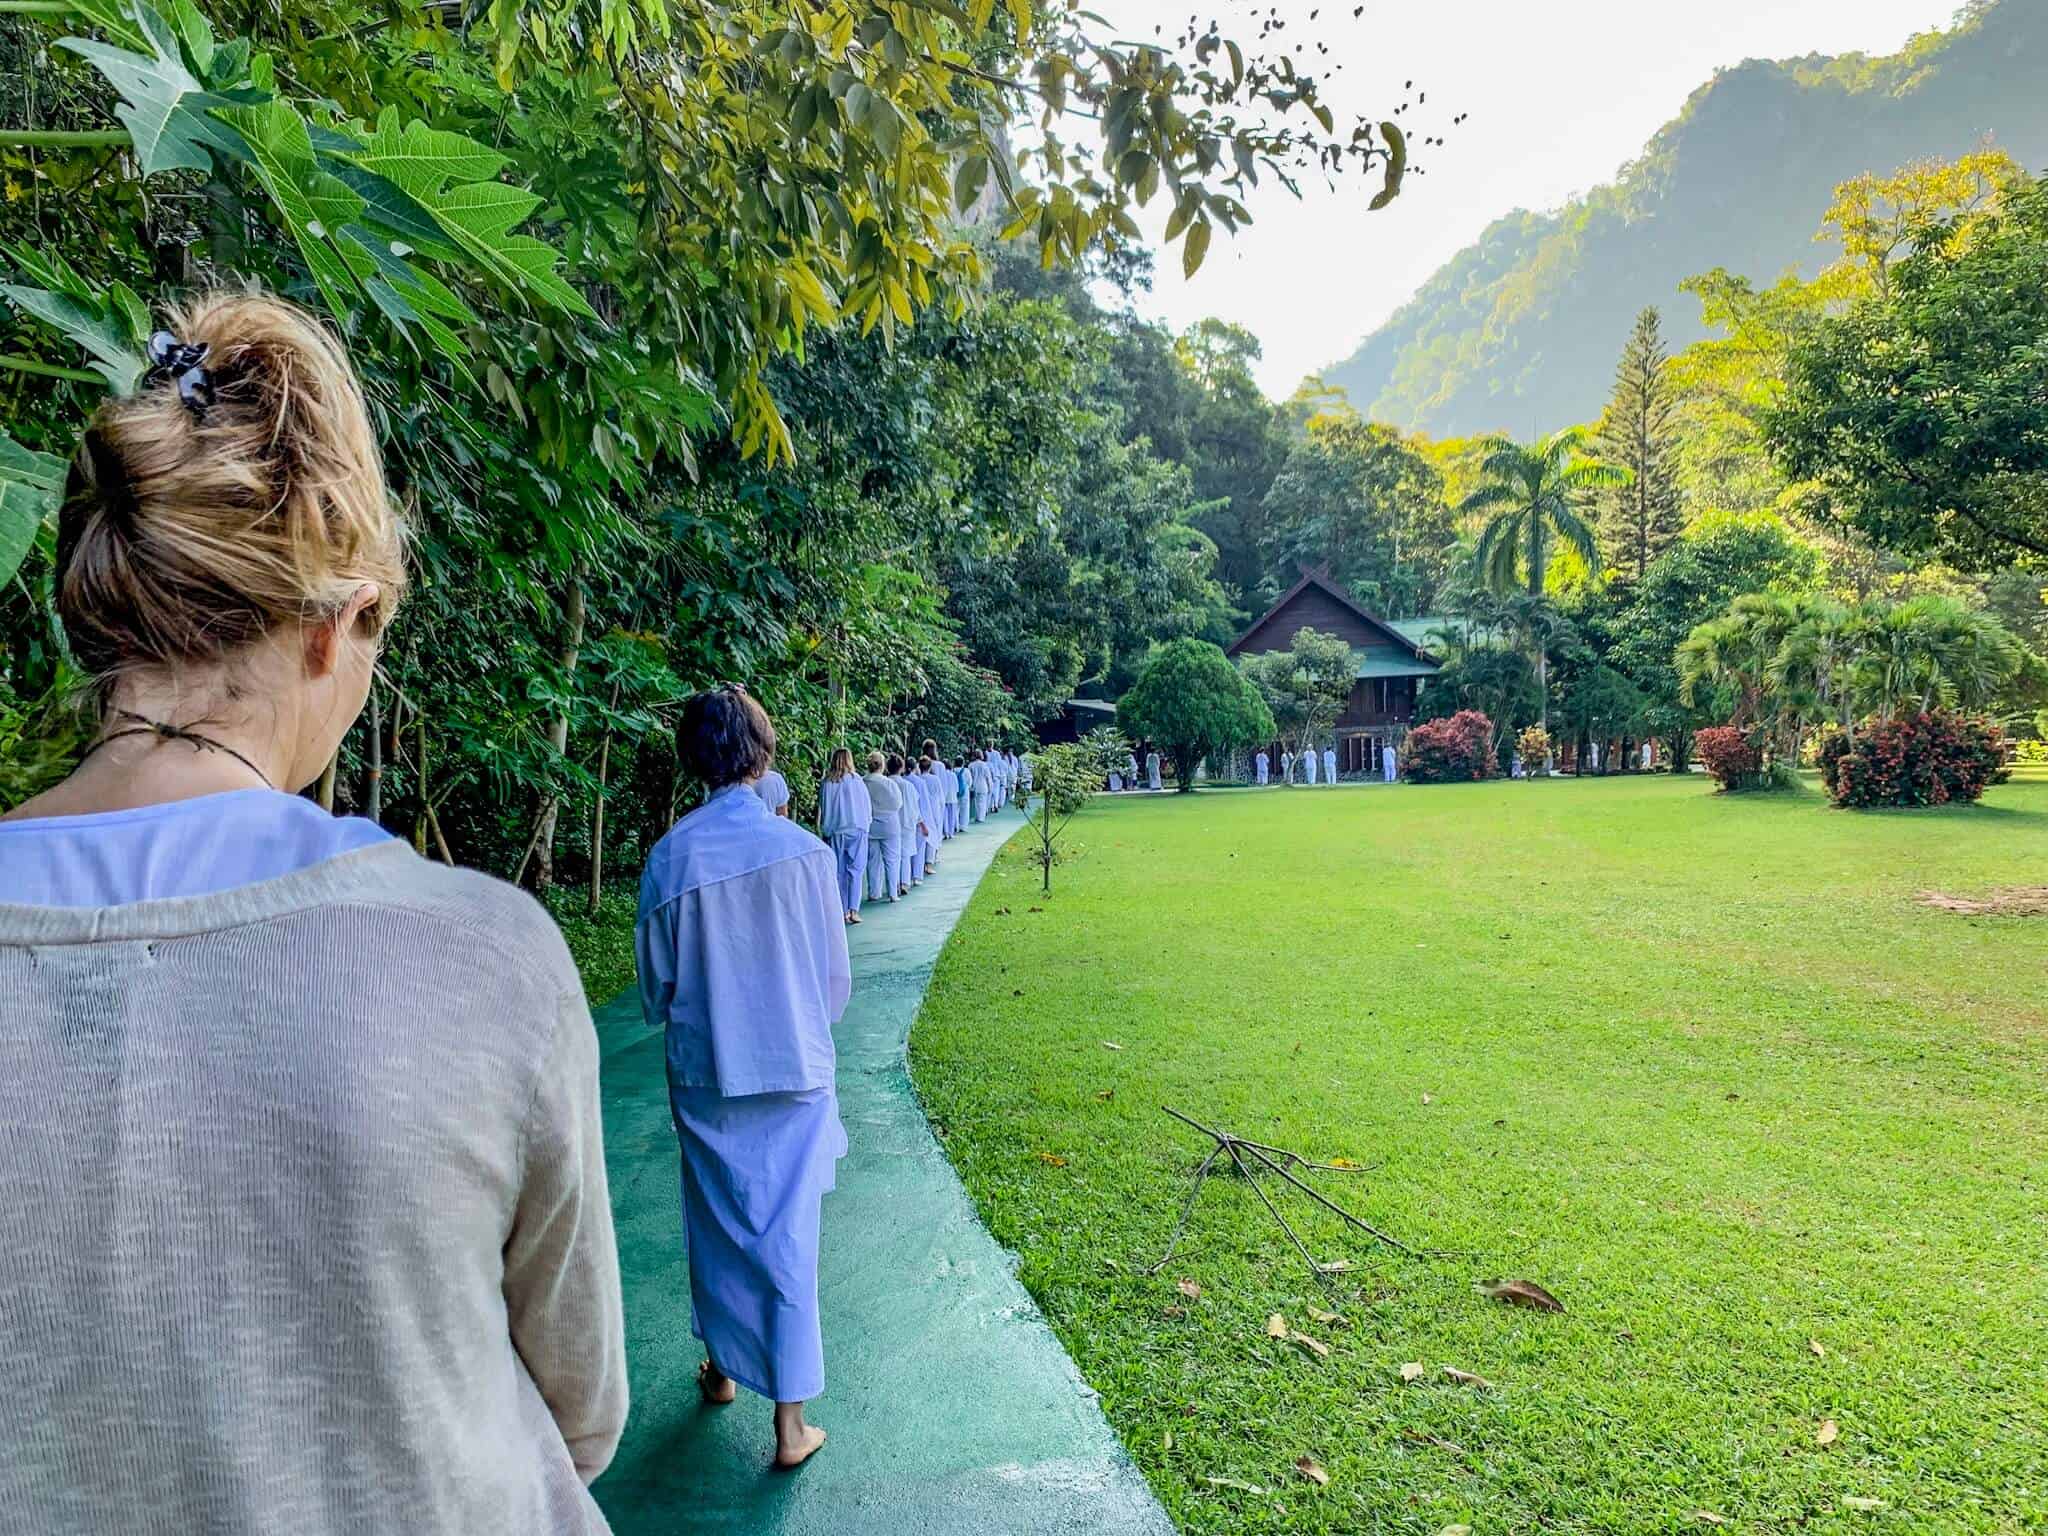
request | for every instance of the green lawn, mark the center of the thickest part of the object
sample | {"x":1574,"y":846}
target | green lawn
{"x":1776,"y":1134}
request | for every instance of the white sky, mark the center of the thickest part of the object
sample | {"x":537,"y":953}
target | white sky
{"x":1561,"y":93}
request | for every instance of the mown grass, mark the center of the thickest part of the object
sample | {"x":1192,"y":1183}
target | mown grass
{"x":1700,"y":1064}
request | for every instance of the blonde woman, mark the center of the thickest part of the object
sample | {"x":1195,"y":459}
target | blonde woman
{"x":844,"y":811}
{"x":306,"y":1225}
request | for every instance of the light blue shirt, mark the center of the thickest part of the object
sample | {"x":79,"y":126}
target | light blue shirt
{"x":196,"y":847}
{"x":773,"y":789}
{"x":742,"y":949}
{"x":844,"y":806}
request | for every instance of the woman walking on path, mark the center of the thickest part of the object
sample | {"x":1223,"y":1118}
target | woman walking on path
{"x":743,"y":966}
{"x":884,"y":838}
{"x":844,"y":811}
{"x":306,"y":1226}
{"x":909,"y":826}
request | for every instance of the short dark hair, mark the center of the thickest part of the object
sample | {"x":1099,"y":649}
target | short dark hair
{"x":724,"y":737}
{"x":895,"y":763}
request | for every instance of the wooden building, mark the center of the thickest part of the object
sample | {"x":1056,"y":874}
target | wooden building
{"x":1391,"y":664}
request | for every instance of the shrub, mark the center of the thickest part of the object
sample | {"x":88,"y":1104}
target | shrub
{"x":1927,"y":759}
{"x":1194,"y":703}
{"x":1451,"y":751}
{"x":1730,"y":756}
{"x":2030,"y":754}
{"x":1533,"y":745}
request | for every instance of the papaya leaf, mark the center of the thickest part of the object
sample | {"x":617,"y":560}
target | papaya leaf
{"x":451,"y":178}
{"x":163,"y":105}
{"x":112,"y":326}
{"x":30,"y":484}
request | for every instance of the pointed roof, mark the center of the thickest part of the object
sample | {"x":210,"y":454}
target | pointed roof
{"x":1320,"y":579}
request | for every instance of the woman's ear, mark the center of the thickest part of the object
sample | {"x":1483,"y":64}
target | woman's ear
{"x":325,"y":639}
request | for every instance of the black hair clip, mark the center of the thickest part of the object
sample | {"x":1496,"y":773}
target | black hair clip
{"x":182,"y":363}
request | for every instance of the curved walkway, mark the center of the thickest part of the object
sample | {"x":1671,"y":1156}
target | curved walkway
{"x":951,"y":1406}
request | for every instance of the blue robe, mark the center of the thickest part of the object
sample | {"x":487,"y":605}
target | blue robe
{"x":773,"y":789}
{"x":844,"y":811}
{"x":910,"y":850}
{"x":885,"y":843}
{"x":1264,"y":767}
{"x":1329,"y":766}
{"x":743,"y":965}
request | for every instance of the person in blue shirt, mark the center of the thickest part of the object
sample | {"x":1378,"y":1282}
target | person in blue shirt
{"x":741,"y":942}
{"x":844,"y":811}
{"x":885,"y":847}
{"x":773,"y":789}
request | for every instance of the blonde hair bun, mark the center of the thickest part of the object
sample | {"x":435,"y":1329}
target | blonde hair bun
{"x":189,"y":533}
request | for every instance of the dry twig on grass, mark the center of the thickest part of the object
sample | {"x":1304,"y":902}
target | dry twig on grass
{"x":1245,"y":1156}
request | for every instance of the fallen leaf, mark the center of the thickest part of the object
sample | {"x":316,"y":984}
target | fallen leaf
{"x":1231,"y":1482}
{"x":1817,"y":1347}
{"x":1173,"y":1309}
{"x":1052,"y":1159}
{"x":1851,"y":1501}
{"x":1189,"y":1289}
{"x":1312,"y":1472}
{"x":1342,"y":1162}
{"x":1111,"y":1045}
{"x":1414,"y":1370}
{"x":1336,"y":1267}
{"x":1330,"y":1319}
{"x":1733,"y":1097}
{"x":1034,"y":909}
{"x":1828,"y":1433}
{"x":1467,"y":1379}
{"x":1708,"y":1517}
{"x":1166,"y":1441}
{"x":1427,"y":1099}
{"x":1276,"y":1327}
{"x":1106,"y":1095}
{"x":1455,"y":1530}
{"x":1002,"y":911}
{"x":1521,"y":1293}
{"x":1315,"y":1347}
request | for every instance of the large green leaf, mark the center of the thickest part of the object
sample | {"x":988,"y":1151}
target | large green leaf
{"x":452,"y":178}
{"x":112,"y":324}
{"x":163,"y":103}
{"x":30,"y":484}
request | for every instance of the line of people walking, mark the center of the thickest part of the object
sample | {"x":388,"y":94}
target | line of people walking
{"x":743,"y":966}
{"x":887,"y":825}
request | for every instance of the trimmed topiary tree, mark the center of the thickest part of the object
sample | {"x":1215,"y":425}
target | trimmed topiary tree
{"x":1195,"y":704}
{"x":1453,"y":751}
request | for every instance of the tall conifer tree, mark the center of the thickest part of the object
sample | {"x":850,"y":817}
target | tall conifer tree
{"x":1642,"y":518}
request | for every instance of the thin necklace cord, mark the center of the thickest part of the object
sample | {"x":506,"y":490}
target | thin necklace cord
{"x":165,"y":732}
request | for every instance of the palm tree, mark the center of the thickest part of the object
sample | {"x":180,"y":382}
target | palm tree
{"x":1528,"y":498}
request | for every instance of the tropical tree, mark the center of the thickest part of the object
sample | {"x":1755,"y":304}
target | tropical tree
{"x":1304,"y":687}
{"x":1529,"y":500}
{"x":1192,"y":701}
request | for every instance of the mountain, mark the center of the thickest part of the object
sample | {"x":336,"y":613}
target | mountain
{"x":1520,"y":331}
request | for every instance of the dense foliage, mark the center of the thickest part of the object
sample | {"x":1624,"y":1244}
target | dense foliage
{"x":1728,"y":753}
{"x":1915,"y":760}
{"x":1454,"y":751}
{"x":704,"y":343}
{"x":1192,"y":702}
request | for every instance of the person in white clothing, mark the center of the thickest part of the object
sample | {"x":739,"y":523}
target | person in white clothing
{"x":1308,"y":765}
{"x":1286,"y":766}
{"x":1329,"y":765}
{"x":1261,"y":767}
{"x":1152,"y":770}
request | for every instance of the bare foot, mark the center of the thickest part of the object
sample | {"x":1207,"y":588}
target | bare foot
{"x":795,"y":1441}
{"x":716,"y":1387}
{"x":852,"y":917}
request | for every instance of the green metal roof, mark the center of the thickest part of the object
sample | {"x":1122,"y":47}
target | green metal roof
{"x":1388,"y":664}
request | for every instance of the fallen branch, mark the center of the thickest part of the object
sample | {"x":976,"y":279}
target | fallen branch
{"x":1243,"y":1154}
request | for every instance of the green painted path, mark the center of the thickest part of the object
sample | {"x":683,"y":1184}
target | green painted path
{"x":951,"y":1406}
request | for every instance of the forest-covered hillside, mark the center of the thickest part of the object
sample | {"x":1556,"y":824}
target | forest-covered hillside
{"x":1519,"y":331}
